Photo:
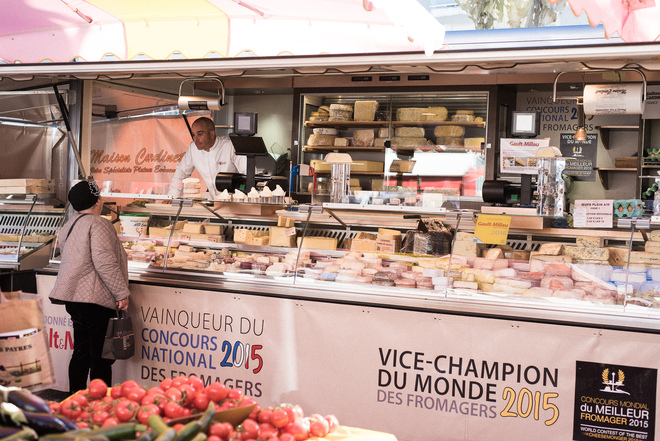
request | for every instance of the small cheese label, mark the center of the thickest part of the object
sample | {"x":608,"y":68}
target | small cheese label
{"x":290,"y":231}
{"x":492,"y":229}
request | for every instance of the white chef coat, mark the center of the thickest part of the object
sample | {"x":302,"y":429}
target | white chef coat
{"x":221,"y":158}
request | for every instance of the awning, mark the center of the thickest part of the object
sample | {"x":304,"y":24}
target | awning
{"x":35,"y":31}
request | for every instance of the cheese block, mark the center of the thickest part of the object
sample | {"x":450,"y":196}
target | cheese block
{"x":408,"y":141}
{"x":465,"y":112}
{"x":365,"y":110}
{"x":341,"y":107}
{"x":493,"y":253}
{"x":342,"y":142}
{"x":379,"y":142}
{"x":259,"y":240}
{"x":363,"y":138}
{"x":214,"y":229}
{"x":409,"y":132}
{"x":341,"y":114}
{"x":365,"y":235}
{"x":387,"y":234}
{"x":451,"y":131}
{"x":410,"y":113}
{"x":449,"y":141}
{"x":364,"y":245}
{"x":384,"y":132}
{"x":459,"y":284}
{"x":586,"y":253}
{"x":589,"y":241}
{"x":282,"y":237}
{"x":325,"y":131}
{"x":316,"y":139}
{"x":193,"y":227}
{"x":538,"y":262}
{"x":464,"y":236}
{"x":435,"y":114}
{"x":462,"y":117}
{"x":468,"y":249}
{"x":318,"y":243}
{"x":516,"y":255}
{"x":652,"y":247}
{"x":654,"y":235}
{"x":243,"y":235}
{"x":473,"y":143}
{"x":283,"y":221}
{"x":551,"y":249}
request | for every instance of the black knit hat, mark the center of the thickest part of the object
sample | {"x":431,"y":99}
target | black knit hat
{"x":84,"y":195}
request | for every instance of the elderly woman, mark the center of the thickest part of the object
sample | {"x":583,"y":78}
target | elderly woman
{"x":92,"y":283}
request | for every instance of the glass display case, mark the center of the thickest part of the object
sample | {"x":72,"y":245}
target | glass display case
{"x":413,"y":149}
{"x":428,"y":256}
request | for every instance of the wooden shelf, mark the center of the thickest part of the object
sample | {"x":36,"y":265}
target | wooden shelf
{"x":366,"y":173}
{"x":330,"y":148}
{"x":603,"y":174}
{"x":605,"y":133}
{"x":378,"y":124}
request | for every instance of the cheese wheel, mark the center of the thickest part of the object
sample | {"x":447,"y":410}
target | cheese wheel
{"x":408,"y":142}
{"x":315,"y":139}
{"x":325,"y":131}
{"x":341,"y":107}
{"x":379,"y":142}
{"x":363,"y":138}
{"x":454,"y":131}
{"x":462,"y":117}
{"x":410,"y":113}
{"x":435,"y":114}
{"x":342,"y":142}
{"x":384,"y":132}
{"x":409,"y":132}
{"x":449,"y":141}
{"x":341,"y":113}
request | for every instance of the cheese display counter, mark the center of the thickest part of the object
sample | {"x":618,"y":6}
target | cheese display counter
{"x":466,"y":338}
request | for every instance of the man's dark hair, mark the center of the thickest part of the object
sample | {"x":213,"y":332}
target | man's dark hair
{"x":208,"y":123}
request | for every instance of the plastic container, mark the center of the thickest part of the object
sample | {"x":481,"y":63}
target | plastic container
{"x":134,"y":224}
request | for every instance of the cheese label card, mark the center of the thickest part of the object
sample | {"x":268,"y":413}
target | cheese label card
{"x":492,"y":229}
{"x":593,"y":213}
{"x":290,"y":231}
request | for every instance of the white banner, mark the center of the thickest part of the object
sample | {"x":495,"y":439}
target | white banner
{"x":411,"y":373}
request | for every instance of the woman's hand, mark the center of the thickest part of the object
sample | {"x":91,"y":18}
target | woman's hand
{"x":123,"y":304}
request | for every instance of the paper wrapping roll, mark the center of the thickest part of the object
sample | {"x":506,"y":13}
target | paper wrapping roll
{"x":613,"y":99}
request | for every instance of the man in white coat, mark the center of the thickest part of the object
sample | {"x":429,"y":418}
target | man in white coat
{"x":209,"y":154}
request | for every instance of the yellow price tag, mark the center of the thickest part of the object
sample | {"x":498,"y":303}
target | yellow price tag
{"x":492,"y":229}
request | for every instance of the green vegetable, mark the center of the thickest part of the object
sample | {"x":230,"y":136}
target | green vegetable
{"x":119,"y":431}
{"x":167,"y":435}
{"x":157,"y":424}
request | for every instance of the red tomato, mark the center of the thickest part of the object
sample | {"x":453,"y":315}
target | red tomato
{"x":166,"y":384}
{"x":201,"y":401}
{"x":174,"y":394}
{"x":70,"y":409}
{"x":173,"y":409}
{"x":84,"y":416}
{"x":178,"y":426}
{"x":82,"y":424}
{"x":266,"y":430}
{"x":179,"y":381}
{"x":115,"y":392}
{"x":279,"y":418}
{"x":264,"y":415}
{"x":126,"y":410}
{"x":286,"y":437}
{"x":97,"y":389}
{"x":247,"y":401}
{"x":213,"y":438}
{"x":187,"y":411}
{"x":145,"y":411}
{"x":136,"y":394}
{"x":235,"y":394}
{"x":221,"y":430}
{"x":127,"y":386}
{"x":156,"y":390}
{"x":112,"y":421}
{"x":332,"y":422}
{"x":319,"y":427}
{"x":299,"y":429}
{"x":188,"y":394}
{"x":99,"y":417}
{"x":250,"y":428}
{"x":196,"y":383}
{"x":54,"y":407}
{"x":79,"y":398}
{"x":216,"y":391}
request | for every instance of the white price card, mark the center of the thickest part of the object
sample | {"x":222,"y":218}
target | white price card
{"x":593,"y":213}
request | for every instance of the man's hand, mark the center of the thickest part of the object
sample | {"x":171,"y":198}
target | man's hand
{"x":123,"y":304}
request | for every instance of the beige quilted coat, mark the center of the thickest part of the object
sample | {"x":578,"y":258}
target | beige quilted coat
{"x":93,"y":267}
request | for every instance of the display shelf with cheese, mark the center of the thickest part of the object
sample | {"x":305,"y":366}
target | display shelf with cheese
{"x":405,"y":253}
{"x":397,"y":126}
